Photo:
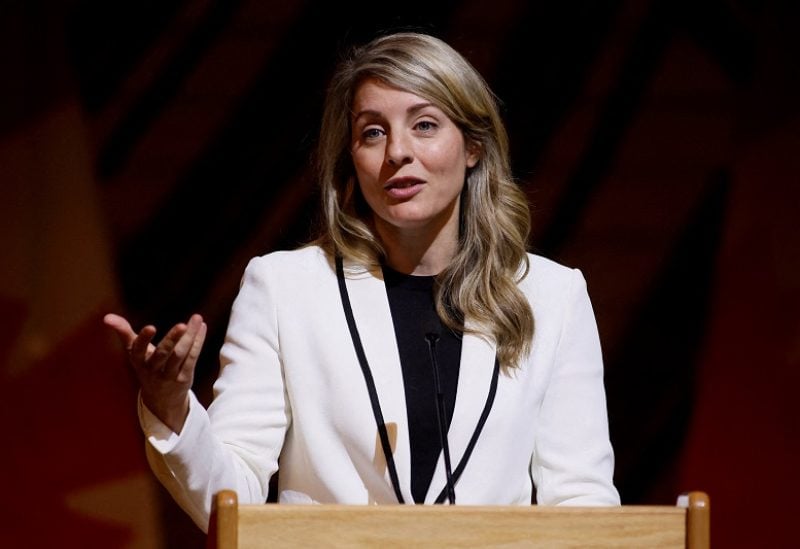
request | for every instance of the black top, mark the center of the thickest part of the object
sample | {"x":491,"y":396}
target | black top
{"x":414,"y":314}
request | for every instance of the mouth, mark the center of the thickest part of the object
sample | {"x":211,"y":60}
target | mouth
{"x":403,"y":188}
{"x":402,"y":183}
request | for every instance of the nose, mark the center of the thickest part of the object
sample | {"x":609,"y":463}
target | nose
{"x":398,"y":151}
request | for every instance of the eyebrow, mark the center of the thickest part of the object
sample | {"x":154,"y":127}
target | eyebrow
{"x":413,"y":109}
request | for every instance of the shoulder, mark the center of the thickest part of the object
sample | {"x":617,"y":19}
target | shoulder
{"x":543,"y":266}
{"x":546,"y":272}
{"x":294,"y":262}
{"x":548,"y":282}
{"x":292,"y":268}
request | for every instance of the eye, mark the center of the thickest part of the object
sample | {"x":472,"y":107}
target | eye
{"x":372,"y":133}
{"x":425,"y":126}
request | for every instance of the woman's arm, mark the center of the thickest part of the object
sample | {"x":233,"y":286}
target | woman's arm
{"x":574,"y":462}
{"x":236,"y":443}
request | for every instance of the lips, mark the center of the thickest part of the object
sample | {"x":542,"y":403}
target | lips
{"x":402,"y":182}
{"x":403,"y":187}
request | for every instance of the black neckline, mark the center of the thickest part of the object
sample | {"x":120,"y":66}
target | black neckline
{"x":394,"y":278}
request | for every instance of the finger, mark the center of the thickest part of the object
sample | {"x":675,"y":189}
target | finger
{"x":157,"y":360}
{"x":121,"y":327}
{"x":182,"y":347}
{"x":186,"y":372}
{"x":141,"y":347}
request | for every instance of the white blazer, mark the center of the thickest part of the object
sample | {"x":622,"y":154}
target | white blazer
{"x":291,"y":388}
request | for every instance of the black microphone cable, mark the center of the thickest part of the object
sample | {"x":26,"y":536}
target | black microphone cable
{"x":431,"y":337}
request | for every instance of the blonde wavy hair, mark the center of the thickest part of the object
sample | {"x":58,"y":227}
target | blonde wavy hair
{"x":480,"y":284}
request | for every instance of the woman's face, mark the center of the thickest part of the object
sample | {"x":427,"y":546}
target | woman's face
{"x":410,"y":159}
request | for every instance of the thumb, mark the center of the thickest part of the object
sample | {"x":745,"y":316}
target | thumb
{"x":122,"y":328}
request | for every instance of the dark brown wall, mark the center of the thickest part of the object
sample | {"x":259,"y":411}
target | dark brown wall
{"x":159,"y":145}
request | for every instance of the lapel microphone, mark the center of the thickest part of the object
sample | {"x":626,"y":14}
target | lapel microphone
{"x":432,"y":329}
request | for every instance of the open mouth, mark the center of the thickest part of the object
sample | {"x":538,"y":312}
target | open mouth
{"x":402,"y":183}
{"x":403,"y":188}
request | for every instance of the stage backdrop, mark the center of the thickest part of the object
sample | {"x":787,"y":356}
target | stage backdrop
{"x":149,"y":149}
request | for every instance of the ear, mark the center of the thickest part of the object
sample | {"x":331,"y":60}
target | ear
{"x":473,"y":151}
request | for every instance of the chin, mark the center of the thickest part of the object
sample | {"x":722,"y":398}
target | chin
{"x":413,"y":217}
{"x":407,"y":218}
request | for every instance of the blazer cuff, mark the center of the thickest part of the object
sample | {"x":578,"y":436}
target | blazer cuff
{"x":158,"y":435}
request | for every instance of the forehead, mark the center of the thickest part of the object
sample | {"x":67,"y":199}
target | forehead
{"x":375,"y":95}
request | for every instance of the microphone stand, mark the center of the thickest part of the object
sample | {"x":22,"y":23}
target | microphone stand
{"x":441,"y":414}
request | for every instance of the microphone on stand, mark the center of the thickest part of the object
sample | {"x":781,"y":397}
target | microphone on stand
{"x":432,"y":329}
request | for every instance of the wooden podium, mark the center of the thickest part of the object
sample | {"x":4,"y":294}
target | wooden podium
{"x":389,"y":526}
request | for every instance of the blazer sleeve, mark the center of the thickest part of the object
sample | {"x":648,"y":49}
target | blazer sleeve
{"x":236,"y":443}
{"x":573,"y":463}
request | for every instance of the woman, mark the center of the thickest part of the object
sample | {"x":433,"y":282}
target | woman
{"x":347,"y":358}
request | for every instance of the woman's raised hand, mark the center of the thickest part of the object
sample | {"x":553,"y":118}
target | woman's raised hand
{"x":166,"y":370}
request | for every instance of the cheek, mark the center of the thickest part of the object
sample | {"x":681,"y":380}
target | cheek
{"x":366,"y":166}
{"x":365,"y":179}
{"x":449,"y":158}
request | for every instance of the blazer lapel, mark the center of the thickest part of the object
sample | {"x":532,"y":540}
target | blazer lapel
{"x":374,"y":322}
{"x":474,"y":379}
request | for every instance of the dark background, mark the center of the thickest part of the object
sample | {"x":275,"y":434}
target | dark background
{"x":658,"y":142}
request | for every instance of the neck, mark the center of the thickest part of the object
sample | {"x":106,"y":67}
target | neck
{"x":421,"y":251}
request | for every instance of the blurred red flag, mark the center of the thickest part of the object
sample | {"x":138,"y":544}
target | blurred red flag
{"x":73,"y":464}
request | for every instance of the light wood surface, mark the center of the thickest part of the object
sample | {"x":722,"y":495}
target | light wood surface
{"x":394,"y":526}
